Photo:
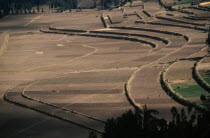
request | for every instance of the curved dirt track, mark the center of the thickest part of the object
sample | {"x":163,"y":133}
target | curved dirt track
{"x":77,"y":79}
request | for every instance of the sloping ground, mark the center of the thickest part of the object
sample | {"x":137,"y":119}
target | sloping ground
{"x":78,"y":77}
{"x":183,"y":82}
{"x":76,"y":20}
{"x":3,"y":42}
{"x":86,"y":4}
{"x":198,"y":12}
{"x":141,"y":87}
{"x":202,"y":72}
{"x":146,"y":85}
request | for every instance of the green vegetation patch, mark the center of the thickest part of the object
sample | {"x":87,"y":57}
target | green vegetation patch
{"x":207,"y":79}
{"x":189,"y":90}
{"x":205,"y":74}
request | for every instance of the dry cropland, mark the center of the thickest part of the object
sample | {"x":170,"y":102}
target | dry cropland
{"x":65,"y":74}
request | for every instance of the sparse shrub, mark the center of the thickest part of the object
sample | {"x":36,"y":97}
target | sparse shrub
{"x":170,"y":8}
{"x":92,"y":135}
{"x":202,"y":97}
{"x":142,"y":123}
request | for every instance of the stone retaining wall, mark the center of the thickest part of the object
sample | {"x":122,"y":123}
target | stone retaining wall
{"x":147,"y":13}
{"x":152,"y":30}
{"x":166,"y":24}
{"x":198,"y":78}
{"x":68,"y":30}
{"x":177,"y":97}
{"x":132,"y":34}
{"x":103,"y":36}
{"x":179,"y":21}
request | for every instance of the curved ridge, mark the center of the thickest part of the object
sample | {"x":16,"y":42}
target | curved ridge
{"x":153,"y":45}
{"x":177,"y":97}
{"x":198,"y":77}
{"x":52,"y":114}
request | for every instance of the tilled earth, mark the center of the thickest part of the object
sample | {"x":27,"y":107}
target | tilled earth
{"x":60,"y":85}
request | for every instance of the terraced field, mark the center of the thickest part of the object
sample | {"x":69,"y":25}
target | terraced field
{"x":64,"y":74}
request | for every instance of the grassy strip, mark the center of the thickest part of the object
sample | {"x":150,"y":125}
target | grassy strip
{"x":206,"y":79}
{"x":177,"y":97}
{"x":189,"y":90}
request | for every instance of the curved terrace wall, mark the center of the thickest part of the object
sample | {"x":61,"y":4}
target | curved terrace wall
{"x":167,"y":24}
{"x":152,"y":30}
{"x":51,"y":114}
{"x":178,"y":98}
{"x":198,"y":77}
{"x":179,"y":21}
{"x":68,"y":30}
{"x":103,"y":36}
{"x":132,"y":34}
